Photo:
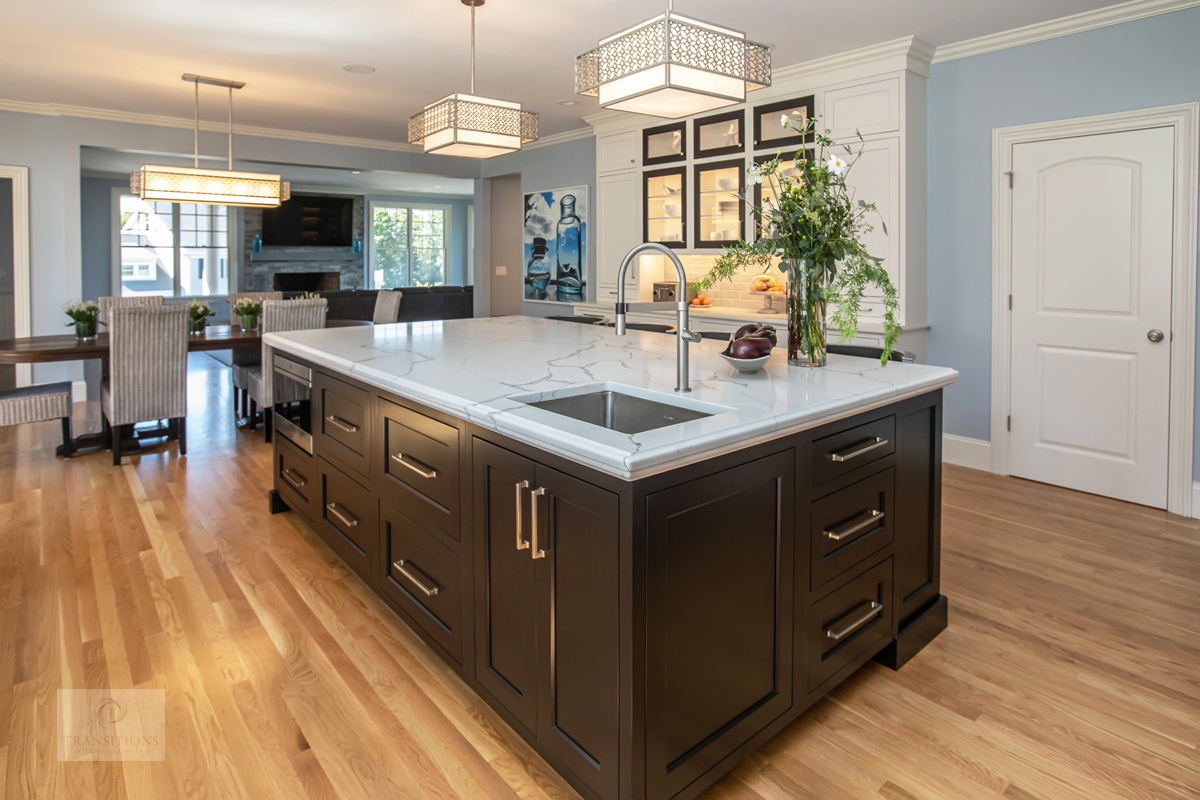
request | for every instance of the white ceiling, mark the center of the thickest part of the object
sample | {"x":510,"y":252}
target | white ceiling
{"x":129,"y":55}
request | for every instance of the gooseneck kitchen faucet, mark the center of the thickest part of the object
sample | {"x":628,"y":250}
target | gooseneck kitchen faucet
{"x":684,"y":336}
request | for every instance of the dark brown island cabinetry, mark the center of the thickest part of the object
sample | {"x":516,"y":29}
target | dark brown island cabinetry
{"x":643,"y":636}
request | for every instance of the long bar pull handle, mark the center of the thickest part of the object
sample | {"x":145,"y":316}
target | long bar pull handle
{"x":406,"y":569}
{"x":423,"y":470}
{"x":348,"y":427}
{"x":842,"y":533}
{"x":538,"y":552}
{"x":287,"y":474}
{"x":347,"y":519}
{"x":873,"y":611}
{"x":522,"y":544}
{"x":858,"y":450}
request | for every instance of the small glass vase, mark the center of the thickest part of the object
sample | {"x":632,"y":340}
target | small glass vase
{"x":806,"y":305}
{"x":249,"y":322}
{"x":85,"y":329}
{"x":197,"y":325}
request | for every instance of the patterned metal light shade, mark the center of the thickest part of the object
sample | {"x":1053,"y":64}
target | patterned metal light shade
{"x":474,"y":127}
{"x":673,"y":66}
{"x":214,"y":186}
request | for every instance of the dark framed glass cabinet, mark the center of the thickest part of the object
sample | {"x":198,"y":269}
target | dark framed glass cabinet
{"x":664,"y":204}
{"x":720,"y":135}
{"x":766,"y":191}
{"x":719,"y":209}
{"x":768,"y":125}
{"x":665,"y":144}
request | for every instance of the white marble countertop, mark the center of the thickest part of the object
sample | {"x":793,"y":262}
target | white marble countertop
{"x":473,"y":368}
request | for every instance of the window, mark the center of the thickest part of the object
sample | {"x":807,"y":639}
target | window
{"x":155,"y":237}
{"x":408,"y":245}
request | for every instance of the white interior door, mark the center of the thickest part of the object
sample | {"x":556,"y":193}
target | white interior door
{"x":1091,"y":313}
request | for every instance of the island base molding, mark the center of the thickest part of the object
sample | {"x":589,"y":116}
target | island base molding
{"x":603,"y":618}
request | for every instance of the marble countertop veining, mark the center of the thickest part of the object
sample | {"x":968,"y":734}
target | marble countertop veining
{"x":473,"y":368}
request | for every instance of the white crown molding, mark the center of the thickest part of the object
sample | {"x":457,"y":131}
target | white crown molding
{"x":85,"y":112}
{"x":1065,"y":26}
{"x":560,"y":138}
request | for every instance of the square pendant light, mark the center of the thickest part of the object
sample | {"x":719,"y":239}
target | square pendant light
{"x":474,"y":127}
{"x":673,"y":66}
{"x":213,"y":186}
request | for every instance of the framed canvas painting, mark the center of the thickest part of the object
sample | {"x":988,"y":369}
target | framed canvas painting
{"x":555,"y":245}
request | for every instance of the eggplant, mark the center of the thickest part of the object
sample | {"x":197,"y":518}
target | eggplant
{"x":750,"y":347}
{"x":758,"y":330}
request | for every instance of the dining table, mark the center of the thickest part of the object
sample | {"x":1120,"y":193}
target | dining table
{"x":49,"y":349}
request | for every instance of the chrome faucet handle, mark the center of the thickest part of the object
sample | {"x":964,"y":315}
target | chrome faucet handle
{"x":691,"y":336}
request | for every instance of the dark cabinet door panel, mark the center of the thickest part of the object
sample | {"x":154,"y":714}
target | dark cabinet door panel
{"x":720,"y":569}
{"x":849,"y":624}
{"x":840,"y":453}
{"x":419,"y":472}
{"x":343,"y":431}
{"x":917,"y":543}
{"x":346,"y":521}
{"x":506,"y":612}
{"x":578,"y":641}
{"x":851,"y":525}
{"x":296,"y":477}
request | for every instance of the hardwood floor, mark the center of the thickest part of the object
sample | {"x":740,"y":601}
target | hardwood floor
{"x":1071,"y":668}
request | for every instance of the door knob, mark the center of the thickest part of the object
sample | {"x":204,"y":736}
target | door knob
{"x":1155,"y":336}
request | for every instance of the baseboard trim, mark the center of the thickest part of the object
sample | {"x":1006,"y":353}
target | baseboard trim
{"x":1196,"y":500}
{"x":965,"y":452}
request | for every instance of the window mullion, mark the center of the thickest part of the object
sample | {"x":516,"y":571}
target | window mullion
{"x":175,"y":222}
{"x":409,"y":265}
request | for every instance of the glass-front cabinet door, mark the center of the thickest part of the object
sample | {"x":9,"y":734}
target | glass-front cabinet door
{"x":766,"y":192}
{"x":720,"y":212}
{"x":664,"y":144}
{"x":769,"y":130}
{"x":665,"y":196}
{"x":720,"y":135}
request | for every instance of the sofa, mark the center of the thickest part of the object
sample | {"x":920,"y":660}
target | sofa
{"x":419,"y":304}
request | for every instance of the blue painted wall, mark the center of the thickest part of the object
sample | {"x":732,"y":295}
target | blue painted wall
{"x":1143,"y":64}
{"x":460,"y":270}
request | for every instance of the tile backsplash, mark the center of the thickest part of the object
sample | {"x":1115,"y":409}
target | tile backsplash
{"x":734,"y":293}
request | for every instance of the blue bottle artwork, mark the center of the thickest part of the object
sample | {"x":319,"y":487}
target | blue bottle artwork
{"x":555,"y":245}
{"x":569,"y":249}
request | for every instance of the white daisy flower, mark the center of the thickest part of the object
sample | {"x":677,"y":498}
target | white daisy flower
{"x":783,"y":120}
{"x":836,"y":165}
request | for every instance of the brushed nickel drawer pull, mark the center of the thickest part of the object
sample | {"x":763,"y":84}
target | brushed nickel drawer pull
{"x":838,"y":535}
{"x":538,"y":552}
{"x":873,"y":611}
{"x":346,"y":518}
{"x":858,"y":450}
{"x":404,"y":569}
{"x":416,"y":466}
{"x":287,"y":474}
{"x":348,"y":427}
{"x":522,"y":544}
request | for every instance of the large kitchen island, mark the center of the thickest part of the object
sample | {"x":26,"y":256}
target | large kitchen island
{"x":645,"y":585}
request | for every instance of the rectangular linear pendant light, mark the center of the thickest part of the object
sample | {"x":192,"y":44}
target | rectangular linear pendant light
{"x":213,"y":186}
{"x":471,"y":126}
{"x":673,"y":66}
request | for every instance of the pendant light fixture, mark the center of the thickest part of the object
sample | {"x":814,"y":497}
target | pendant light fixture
{"x":213,"y":186}
{"x":673,"y":66}
{"x":472,"y":126}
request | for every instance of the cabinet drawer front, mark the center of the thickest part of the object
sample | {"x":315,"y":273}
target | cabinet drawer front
{"x":344,"y":427}
{"x":420,"y":467}
{"x":423,"y":577}
{"x":855,"y":620}
{"x":867,"y":108}
{"x":346,"y":520}
{"x":296,"y":477}
{"x":836,"y":455}
{"x":850,"y":525}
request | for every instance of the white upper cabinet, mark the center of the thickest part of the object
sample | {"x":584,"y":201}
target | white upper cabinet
{"x":875,"y":178}
{"x":617,"y":152}
{"x":617,"y":199}
{"x":867,"y":108}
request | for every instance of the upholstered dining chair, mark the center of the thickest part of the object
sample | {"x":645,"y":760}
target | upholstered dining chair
{"x":387,"y":307}
{"x":147,"y":372}
{"x":278,"y":316}
{"x":137,"y":301}
{"x":244,"y":357}
{"x":262,"y":297}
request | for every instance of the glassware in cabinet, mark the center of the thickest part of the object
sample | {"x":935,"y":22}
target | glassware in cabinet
{"x":665,"y":196}
{"x":720,"y":211}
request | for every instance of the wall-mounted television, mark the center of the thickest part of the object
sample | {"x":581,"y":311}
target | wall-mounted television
{"x":310,"y":221}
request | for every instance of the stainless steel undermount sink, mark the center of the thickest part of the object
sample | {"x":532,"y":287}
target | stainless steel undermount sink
{"x":616,"y":410}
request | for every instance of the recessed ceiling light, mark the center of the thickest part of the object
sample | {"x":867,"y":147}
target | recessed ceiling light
{"x":359,"y":69}
{"x":568,"y":102}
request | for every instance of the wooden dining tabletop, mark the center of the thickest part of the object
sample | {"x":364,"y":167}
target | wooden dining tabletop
{"x":45,"y":349}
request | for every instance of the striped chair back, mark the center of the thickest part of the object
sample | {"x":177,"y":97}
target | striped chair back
{"x":147,"y":363}
{"x":387,"y":307}
{"x":261,"y":297}
{"x":109,"y":303}
{"x":287,"y":315}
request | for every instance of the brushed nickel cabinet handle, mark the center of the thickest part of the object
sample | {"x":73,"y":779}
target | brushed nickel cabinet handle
{"x":407,"y":569}
{"x":521,"y":543}
{"x":857,"y":450}
{"x":538,"y":552}
{"x":416,"y":466}
{"x":873,"y":611}
{"x":287,"y":474}
{"x":348,"y":427}
{"x":346,"y":518}
{"x":838,"y":534}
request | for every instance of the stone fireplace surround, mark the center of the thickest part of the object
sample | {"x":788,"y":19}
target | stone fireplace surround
{"x":259,"y":269}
